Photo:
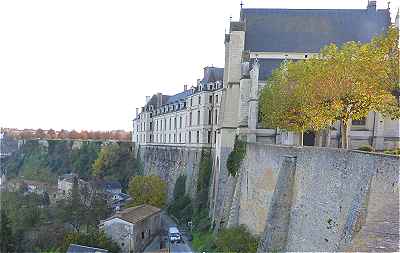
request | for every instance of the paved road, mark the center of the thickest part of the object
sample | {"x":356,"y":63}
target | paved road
{"x":167,"y":222}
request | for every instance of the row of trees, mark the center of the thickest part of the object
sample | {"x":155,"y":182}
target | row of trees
{"x":28,"y":134}
{"x":341,"y":84}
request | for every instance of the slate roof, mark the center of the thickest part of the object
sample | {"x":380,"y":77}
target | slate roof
{"x":302,"y":30}
{"x":212,"y":75}
{"x":177,"y":97}
{"x":75,"y":248}
{"x":136,"y":214}
{"x":267,"y":66}
{"x":108,"y":184}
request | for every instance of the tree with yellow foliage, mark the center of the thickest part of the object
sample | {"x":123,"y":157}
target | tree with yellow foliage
{"x":342,"y":83}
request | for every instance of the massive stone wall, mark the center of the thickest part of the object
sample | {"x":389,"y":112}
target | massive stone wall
{"x":318,"y":199}
{"x":169,"y":162}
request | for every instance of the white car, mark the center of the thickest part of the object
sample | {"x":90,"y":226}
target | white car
{"x":174,"y":235}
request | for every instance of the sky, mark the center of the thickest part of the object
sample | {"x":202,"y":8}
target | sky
{"x":87,"y":64}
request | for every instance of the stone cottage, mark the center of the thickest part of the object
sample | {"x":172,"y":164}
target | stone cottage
{"x":133,"y":228}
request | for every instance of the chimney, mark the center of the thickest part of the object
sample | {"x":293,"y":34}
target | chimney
{"x":371,"y":6}
{"x":147,"y":99}
{"x":185,"y":87}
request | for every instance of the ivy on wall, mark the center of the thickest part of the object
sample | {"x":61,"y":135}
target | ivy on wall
{"x":236,"y":157}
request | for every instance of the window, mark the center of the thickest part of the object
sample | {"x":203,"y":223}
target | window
{"x":216,"y":117}
{"x":215,"y":136}
{"x":359,"y":122}
{"x":210,"y":100}
{"x":169,"y":138}
{"x":209,"y":117}
{"x":180,"y":122}
{"x":174,"y":138}
{"x":191,"y":101}
{"x":190,"y":119}
{"x":151,"y":126}
{"x":165,"y":124}
{"x":198,"y":136}
{"x":170,"y":120}
{"x":175,"y":123}
{"x":142,"y":235}
{"x":199,"y":100}
{"x":190,"y":137}
{"x":198,"y":117}
{"x":216,"y":98}
{"x":209,"y":137}
{"x":180,"y":137}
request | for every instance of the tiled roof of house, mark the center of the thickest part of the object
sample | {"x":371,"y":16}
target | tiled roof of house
{"x":301,"y":30}
{"x":75,"y":248}
{"x":137,"y":213}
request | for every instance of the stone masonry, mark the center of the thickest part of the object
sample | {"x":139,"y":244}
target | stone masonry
{"x":339,"y":199}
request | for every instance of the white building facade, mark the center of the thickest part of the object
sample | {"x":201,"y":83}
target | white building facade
{"x":184,"y":119}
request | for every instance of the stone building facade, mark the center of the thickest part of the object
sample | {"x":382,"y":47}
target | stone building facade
{"x":257,"y":44}
{"x":184,"y":119}
{"x":133,"y":228}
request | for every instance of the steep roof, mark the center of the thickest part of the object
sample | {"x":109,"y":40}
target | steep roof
{"x":212,"y":75}
{"x":179,"y":96}
{"x":267,"y":66}
{"x":75,"y":248}
{"x":137,"y":213}
{"x":301,"y":30}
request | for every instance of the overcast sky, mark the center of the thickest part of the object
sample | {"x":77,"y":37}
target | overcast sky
{"x":87,"y":64}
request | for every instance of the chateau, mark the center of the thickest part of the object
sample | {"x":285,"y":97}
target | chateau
{"x":282,"y":193}
{"x":187,"y":118}
{"x":224,"y":104}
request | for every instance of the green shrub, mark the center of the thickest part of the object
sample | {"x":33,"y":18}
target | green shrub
{"x":203,"y":242}
{"x":237,"y":239}
{"x":393,"y":152}
{"x":236,"y":157}
{"x":180,"y":187}
{"x":182,"y":209}
{"x":366,"y":148}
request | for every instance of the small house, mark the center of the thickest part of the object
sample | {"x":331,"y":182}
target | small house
{"x":133,"y":228}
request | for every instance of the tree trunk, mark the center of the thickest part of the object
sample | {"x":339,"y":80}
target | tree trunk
{"x":301,"y":138}
{"x":344,"y":134}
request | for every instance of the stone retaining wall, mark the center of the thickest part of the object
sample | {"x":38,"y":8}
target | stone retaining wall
{"x":319,"y":201}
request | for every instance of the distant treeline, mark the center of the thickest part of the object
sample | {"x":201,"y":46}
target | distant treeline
{"x":30,"y":134}
{"x":35,"y":160}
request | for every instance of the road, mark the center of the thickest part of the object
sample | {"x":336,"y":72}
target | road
{"x":154,"y":246}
